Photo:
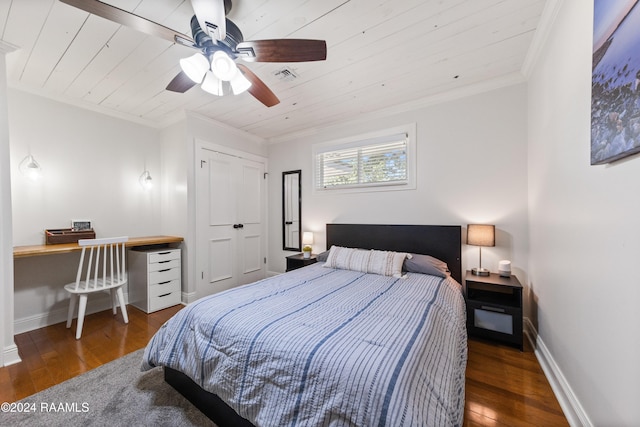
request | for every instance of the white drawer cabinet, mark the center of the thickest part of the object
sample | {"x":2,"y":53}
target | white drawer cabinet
{"x":154,"y":278}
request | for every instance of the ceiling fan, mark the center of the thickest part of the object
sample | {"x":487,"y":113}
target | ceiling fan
{"x":219,"y":43}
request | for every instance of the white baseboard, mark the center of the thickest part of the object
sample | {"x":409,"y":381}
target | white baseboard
{"x":573,"y":410}
{"x":188,"y":297}
{"x":10,"y":355}
{"x":40,"y":320}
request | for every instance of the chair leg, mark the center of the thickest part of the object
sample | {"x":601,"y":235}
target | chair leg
{"x":72,"y":308}
{"x":123,"y":307}
{"x":81,"y":310}
{"x":114,"y":301}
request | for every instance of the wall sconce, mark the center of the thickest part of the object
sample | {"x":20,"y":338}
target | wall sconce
{"x":145,"y":180}
{"x":481,"y":235}
{"x":307,"y":241}
{"x":30,"y":168}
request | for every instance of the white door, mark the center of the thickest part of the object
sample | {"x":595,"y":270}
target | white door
{"x":229,"y":216}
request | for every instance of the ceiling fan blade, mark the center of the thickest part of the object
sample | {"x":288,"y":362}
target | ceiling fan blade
{"x":180,"y":83}
{"x":129,"y":19}
{"x":283,"y":50}
{"x":211,"y":17}
{"x":258,"y":89}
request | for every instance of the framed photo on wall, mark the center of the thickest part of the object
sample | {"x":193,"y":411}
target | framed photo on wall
{"x":615,"y":83}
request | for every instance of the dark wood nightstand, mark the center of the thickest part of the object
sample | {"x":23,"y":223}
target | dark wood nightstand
{"x":494,"y":308}
{"x":298,"y":260}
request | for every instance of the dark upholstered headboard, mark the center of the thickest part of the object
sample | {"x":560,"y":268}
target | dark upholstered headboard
{"x":439,"y":241}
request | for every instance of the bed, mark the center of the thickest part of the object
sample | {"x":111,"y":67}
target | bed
{"x":328,"y":346}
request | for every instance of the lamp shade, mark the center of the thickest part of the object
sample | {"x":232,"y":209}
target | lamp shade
{"x":481,"y":235}
{"x":239,"y":83}
{"x":223,"y":67}
{"x":195,"y":66}
{"x":30,"y":168}
{"x":212,"y":84}
{"x":307,"y":238}
{"x":145,"y":180}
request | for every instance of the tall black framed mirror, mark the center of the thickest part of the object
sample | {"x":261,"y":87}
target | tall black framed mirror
{"x":291,"y":210}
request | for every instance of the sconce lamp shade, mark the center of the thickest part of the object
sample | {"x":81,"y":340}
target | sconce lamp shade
{"x":30,"y":168}
{"x":307,"y":238}
{"x":145,"y":180}
{"x":481,"y":235}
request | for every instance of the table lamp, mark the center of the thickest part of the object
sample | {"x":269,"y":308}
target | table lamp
{"x":481,"y":235}
{"x":307,"y":241}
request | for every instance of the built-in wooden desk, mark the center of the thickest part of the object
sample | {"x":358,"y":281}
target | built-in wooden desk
{"x":63,"y":248}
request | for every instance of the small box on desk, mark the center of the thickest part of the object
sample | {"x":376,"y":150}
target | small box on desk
{"x":67,"y":235}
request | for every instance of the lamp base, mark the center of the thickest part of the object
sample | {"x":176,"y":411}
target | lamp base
{"x":479,"y":271}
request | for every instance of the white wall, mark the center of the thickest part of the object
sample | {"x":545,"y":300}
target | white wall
{"x":174,"y":191}
{"x":472,"y":159}
{"x":585,"y":239}
{"x":91,"y":165}
{"x":8,"y":349}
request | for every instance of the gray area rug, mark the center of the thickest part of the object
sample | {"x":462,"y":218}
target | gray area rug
{"x":115,"y":394}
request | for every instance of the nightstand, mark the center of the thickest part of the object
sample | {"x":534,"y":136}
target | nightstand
{"x":494,"y":308}
{"x":298,"y":261}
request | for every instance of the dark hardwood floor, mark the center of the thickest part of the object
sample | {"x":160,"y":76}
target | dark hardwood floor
{"x":507,"y":387}
{"x":504,"y":387}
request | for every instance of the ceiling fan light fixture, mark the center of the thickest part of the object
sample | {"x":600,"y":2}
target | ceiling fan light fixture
{"x":223,"y":66}
{"x":239,"y":83}
{"x":195,"y":66}
{"x":212,"y":84}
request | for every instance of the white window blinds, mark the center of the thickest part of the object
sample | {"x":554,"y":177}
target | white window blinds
{"x":373,"y":162}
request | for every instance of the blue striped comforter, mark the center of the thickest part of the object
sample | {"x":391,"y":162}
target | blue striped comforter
{"x":325,"y":347}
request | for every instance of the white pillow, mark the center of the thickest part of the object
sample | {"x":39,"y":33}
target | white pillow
{"x":385,"y":263}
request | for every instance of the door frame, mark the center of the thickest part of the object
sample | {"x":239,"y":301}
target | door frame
{"x":199,"y":145}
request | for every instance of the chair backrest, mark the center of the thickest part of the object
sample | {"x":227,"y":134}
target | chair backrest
{"x":105,"y":267}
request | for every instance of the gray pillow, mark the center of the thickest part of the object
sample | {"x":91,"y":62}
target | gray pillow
{"x":426,"y":264}
{"x":322,"y":257}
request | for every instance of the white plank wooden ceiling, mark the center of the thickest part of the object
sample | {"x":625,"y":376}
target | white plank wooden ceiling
{"x":380,"y":54}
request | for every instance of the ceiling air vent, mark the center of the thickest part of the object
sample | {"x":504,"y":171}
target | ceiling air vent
{"x":286,"y":74}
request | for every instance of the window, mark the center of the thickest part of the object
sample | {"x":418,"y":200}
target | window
{"x":381,"y":161}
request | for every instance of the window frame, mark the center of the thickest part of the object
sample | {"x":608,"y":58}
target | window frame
{"x":380,"y":137}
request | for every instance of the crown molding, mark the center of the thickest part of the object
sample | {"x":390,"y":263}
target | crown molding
{"x":6,"y":47}
{"x":97,"y":108}
{"x":439,"y":98}
{"x":547,"y":20}
{"x":241,"y":133}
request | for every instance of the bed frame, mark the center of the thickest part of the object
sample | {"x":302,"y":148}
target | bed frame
{"x":440,"y":241}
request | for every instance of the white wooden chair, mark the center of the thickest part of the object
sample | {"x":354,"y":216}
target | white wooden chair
{"x":105,"y":270}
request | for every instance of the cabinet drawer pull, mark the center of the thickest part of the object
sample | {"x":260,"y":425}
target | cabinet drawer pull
{"x":164,"y":283}
{"x":162,"y":271}
{"x":496,"y":309}
{"x":164,"y":262}
{"x":164,"y":295}
{"x":164,"y":253}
